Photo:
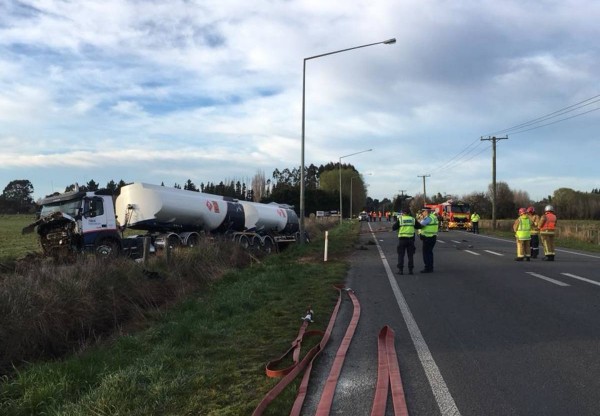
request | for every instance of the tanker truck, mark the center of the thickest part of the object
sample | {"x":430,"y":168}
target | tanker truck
{"x":79,"y":221}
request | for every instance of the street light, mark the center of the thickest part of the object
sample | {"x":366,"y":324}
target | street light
{"x":351,"y":192}
{"x":385,"y":42}
{"x":341,"y":157}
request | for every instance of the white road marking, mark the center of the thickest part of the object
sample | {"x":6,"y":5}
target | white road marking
{"x":579,"y":254}
{"x":541,"y":276}
{"x":472,"y":252}
{"x":457,"y":242}
{"x":441,"y":241}
{"x":574,"y":276}
{"x":504,"y":240}
{"x":442,"y":395}
{"x":494,"y":253}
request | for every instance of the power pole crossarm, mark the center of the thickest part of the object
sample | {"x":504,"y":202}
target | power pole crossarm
{"x":494,"y":140}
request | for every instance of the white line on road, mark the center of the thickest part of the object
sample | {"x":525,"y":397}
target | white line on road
{"x":505,"y":240}
{"x":457,"y":242}
{"x":574,"y":276}
{"x":493,"y":252}
{"x":441,"y":241}
{"x":436,"y":381}
{"x":541,"y":276}
{"x":472,"y":252}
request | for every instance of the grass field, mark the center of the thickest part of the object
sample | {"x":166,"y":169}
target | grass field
{"x":12,"y":243}
{"x":205,"y":356}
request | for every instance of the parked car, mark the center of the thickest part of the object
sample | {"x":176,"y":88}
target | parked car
{"x":363,"y":216}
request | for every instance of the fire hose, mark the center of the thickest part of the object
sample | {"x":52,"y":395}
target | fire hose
{"x":388,"y":369}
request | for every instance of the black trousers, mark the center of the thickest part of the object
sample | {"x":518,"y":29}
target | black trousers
{"x":428,"y":244}
{"x":406,"y":245}
{"x":475,"y":227}
{"x":535,"y":245}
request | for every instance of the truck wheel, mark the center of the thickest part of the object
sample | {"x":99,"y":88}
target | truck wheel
{"x":244,"y":242}
{"x":267,"y":245}
{"x":107,"y":248}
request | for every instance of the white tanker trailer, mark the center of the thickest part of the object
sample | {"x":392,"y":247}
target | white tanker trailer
{"x":78,"y":221}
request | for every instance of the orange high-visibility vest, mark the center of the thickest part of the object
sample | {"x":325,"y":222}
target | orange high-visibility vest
{"x":549,"y":224}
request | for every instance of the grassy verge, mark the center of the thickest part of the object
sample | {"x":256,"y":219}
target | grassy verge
{"x":205,"y":356}
{"x":12,"y":243}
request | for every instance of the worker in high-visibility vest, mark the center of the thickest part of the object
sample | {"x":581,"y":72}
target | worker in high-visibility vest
{"x":522,"y":229}
{"x":406,"y":225}
{"x":475,"y":217}
{"x":547,"y":227}
{"x":428,"y":237}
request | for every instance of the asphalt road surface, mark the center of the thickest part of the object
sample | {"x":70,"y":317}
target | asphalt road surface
{"x":482,"y":335}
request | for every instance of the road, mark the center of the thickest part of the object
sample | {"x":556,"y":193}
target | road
{"x":482,"y":335}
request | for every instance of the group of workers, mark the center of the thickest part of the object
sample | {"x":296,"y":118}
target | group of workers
{"x":530,"y":228}
{"x":428,"y":224}
{"x":378,"y":215}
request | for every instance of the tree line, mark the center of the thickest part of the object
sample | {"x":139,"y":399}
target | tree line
{"x":322,"y":193}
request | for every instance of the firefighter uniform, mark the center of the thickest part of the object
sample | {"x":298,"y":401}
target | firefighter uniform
{"x":535,"y":231}
{"x":547,"y":226}
{"x":522,"y":229}
{"x":429,"y":236}
{"x":406,"y":240}
{"x":475,"y":222}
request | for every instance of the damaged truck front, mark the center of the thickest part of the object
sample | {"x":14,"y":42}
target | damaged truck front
{"x":78,"y":221}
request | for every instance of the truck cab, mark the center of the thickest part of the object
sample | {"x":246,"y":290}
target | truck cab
{"x":77,"y":221}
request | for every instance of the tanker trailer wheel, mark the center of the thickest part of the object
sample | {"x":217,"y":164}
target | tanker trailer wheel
{"x":267,"y":245}
{"x":244,"y":241}
{"x":107,"y":248}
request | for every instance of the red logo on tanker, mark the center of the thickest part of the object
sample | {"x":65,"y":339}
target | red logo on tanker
{"x":281,"y":212}
{"x":210,"y":205}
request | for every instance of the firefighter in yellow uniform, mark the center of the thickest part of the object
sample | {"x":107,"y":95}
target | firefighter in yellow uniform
{"x":522,"y":229}
{"x":547,"y":226}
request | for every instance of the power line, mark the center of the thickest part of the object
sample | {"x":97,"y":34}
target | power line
{"x":554,"y":114}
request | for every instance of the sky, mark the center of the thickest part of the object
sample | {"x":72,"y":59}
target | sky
{"x":211,"y":90}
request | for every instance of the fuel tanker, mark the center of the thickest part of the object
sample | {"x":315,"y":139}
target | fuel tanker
{"x":80,"y":221}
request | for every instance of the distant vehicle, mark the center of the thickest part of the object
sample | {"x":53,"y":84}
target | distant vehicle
{"x":455,"y":215}
{"x":363,"y":216}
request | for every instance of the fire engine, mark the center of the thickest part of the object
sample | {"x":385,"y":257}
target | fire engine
{"x":454,"y":215}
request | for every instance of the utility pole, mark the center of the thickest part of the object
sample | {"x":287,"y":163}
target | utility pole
{"x":424,"y":190}
{"x":494,"y":140}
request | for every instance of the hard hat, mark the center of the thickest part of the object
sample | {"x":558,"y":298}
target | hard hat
{"x":549,"y":208}
{"x":531,"y":210}
{"x":522,"y":211}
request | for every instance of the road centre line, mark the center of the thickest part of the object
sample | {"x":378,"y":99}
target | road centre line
{"x":472,"y":252}
{"x":456,"y":242}
{"x":541,"y":276}
{"x":574,"y":276}
{"x":442,"y":395}
{"x":493,"y":252}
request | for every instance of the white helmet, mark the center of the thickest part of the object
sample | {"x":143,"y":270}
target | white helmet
{"x":549,"y":208}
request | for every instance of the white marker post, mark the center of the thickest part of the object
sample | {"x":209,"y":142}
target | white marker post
{"x":326,"y":243}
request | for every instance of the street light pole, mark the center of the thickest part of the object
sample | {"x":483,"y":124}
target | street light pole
{"x":301,"y":224}
{"x":340,"y":166}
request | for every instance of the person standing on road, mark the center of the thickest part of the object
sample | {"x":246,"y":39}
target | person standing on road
{"x":475,"y":222}
{"x":547,"y":225}
{"x":406,"y":226}
{"x":535,"y":231}
{"x":428,"y":236}
{"x":522,"y":229}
